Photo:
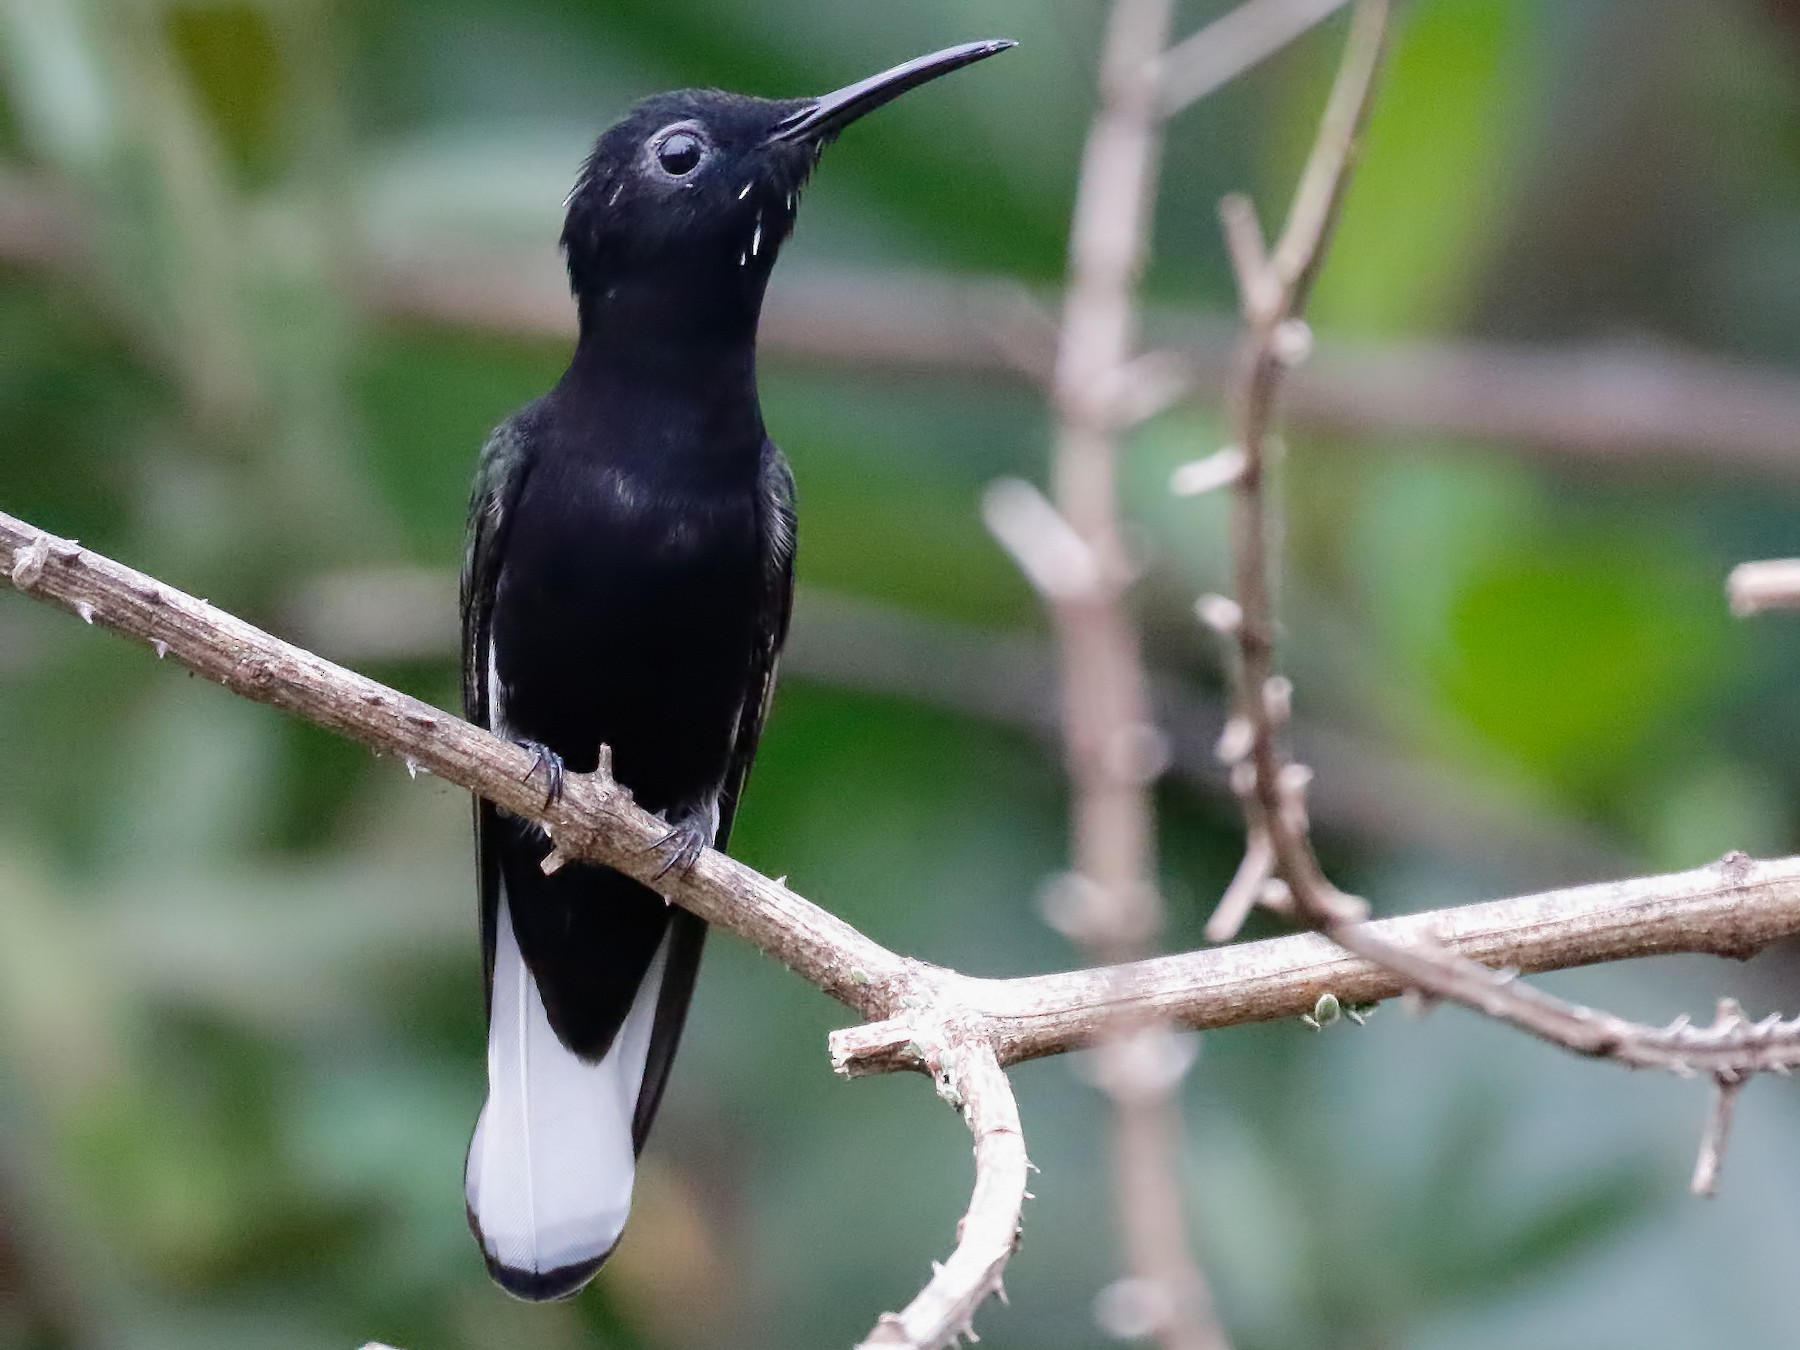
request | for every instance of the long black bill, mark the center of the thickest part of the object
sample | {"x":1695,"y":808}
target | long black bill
{"x":828,"y":115}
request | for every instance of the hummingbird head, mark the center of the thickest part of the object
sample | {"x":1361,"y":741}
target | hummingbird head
{"x":696,"y":190}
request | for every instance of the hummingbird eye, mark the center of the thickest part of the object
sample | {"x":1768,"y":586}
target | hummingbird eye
{"x":679,"y":153}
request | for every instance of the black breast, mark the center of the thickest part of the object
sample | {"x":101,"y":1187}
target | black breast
{"x":626,"y":614}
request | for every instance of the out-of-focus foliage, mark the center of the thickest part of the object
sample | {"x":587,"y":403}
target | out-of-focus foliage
{"x":240,"y":1040}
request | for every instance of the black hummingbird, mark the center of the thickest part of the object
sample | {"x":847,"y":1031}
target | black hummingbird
{"x":626,"y":582}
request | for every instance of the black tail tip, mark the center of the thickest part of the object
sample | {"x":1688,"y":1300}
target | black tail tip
{"x":543,"y":1286}
{"x":538,"y":1286}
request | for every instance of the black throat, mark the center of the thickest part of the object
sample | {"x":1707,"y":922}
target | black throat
{"x":664,"y":372}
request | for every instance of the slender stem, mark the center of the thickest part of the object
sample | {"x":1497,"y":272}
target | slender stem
{"x":1733,"y":908}
{"x":1105,"y":695}
{"x":1114,"y":750}
{"x":1232,"y":44}
{"x":595,"y":819}
{"x":1273,"y":787}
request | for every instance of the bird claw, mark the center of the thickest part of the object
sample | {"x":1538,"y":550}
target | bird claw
{"x":682,"y":845}
{"x":543,"y":757}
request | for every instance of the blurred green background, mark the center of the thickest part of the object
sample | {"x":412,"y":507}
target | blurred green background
{"x":240,"y":1037}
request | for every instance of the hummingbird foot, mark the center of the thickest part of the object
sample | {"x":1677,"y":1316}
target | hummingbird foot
{"x":551,"y":763}
{"x":680,"y":846}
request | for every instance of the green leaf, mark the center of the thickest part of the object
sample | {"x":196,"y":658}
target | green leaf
{"x":1438,"y":167}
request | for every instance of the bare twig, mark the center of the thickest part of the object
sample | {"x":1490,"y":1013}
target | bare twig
{"x":1734,"y":908}
{"x":1757,"y":587}
{"x":1113,"y":748}
{"x":1054,"y":558}
{"x":1273,"y":787}
{"x":1232,"y":43}
{"x":1718,"y":1122}
{"x":970,"y":1078}
{"x":1273,"y":297}
{"x":1246,"y":888}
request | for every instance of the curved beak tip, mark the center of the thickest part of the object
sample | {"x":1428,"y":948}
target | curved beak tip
{"x":826,"y":116}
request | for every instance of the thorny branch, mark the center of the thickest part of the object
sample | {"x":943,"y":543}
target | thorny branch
{"x":1279,"y":867}
{"x":917,"y":1010}
{"x":594,"y":820}
{"x":1731,"y":908}
{"x":970,"y":1077}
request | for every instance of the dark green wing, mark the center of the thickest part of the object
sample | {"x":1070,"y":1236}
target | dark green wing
{"x":498,"y":479}
{"x":777,"y":490}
